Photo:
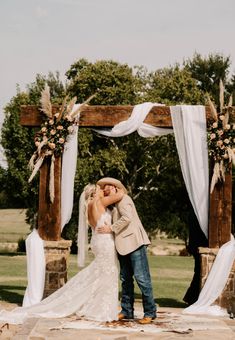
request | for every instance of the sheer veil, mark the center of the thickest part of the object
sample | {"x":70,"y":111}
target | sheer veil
{"x":82,"y":231}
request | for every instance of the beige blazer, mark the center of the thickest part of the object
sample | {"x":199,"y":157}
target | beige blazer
{"x":127,"y":227}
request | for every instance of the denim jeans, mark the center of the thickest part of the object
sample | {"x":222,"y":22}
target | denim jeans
{"x":135,"y":265}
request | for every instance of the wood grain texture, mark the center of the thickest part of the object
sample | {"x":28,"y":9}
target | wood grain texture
{"x":220,"y":214}
{"x":103,"y":116}
{"x":49,"y":214}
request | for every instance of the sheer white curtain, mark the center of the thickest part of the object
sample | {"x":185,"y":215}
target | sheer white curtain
{"x":189,"y":124}
{"x":215,"y":282}
{"x":35,"y":269}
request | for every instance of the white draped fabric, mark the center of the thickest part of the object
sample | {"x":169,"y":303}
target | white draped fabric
{"x":189,"y":124}
{"x":215,"y":282}
{"x":35,"y":269}
{"x":69,"y":164}
{"x":136,"y":123}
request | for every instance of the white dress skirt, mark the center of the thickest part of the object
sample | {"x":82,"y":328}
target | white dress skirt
{"x":92,"y":293}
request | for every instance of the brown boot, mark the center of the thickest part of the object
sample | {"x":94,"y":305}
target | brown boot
{"x":146,"y":320}
{"x":122,"y":316}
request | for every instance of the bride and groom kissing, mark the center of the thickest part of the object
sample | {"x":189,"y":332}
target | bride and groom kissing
{"x":117,"y":236}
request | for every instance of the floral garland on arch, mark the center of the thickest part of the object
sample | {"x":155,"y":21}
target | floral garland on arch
{"x":221,"y":139}
{"x":54,"y":132}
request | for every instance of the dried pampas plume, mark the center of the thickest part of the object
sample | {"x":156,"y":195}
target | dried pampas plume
{"x":221,"y":95}
{"x":80,"y":108}
{"x":212,"y":107}
{"x":46,"y":101}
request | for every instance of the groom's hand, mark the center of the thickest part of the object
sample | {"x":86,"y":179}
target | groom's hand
{"x":104,"y":229}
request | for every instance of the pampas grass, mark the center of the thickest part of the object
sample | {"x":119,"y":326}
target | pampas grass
{"x":46,"y":101}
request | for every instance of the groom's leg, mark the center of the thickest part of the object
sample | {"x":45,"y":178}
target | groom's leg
{"x":140,"y":267}
{"x":126,"y":276}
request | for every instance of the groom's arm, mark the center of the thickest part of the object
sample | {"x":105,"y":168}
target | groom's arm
{"x":126,"y":213}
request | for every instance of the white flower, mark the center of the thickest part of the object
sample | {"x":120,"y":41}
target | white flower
{"x":53,"y":132}
{"x":215,"y":125}
{"x":44,"y":129}
{"x":220,"y":132}
{"x":227,"y":126}
{"x":60,"y":127}
{"x":226,"y":141}
{"x":225,"y":156}
{"x":221,"y":117}
{"x":56,"y":114}
{"x":51,"y":122}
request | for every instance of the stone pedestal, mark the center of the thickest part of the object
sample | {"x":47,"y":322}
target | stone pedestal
{"x":227,"y":297}
{"x":56,"y":254}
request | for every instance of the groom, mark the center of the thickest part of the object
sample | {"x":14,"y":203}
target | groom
{"x":131,"y":240}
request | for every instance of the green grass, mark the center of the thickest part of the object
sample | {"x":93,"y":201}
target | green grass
{"x":12,"y":225}
{"x":171,"y":276}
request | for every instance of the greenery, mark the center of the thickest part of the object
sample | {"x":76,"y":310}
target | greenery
{"x":148,"y":167}
{"x":171,"y":276}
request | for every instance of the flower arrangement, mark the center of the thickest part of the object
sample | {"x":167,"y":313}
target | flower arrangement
{"x":55,"y":131}
{"x":221,"y":139}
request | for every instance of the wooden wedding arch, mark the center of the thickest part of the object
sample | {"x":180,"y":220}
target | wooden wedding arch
{"x":49,"y":220}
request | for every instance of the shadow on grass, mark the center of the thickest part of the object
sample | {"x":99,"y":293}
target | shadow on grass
{"x":10,"y":254}
{"x":165,"y":302}
{"x":7,"y":294}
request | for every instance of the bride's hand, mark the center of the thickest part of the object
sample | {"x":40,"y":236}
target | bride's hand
{"x":104,"y":229}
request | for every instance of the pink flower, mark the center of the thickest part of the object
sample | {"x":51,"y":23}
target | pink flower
{"x":221,"y":117}
{"x":212,"y":136}
{"x":220,"y":132}
{"x":227,"y":126}
{"x":61,"y":140}
{"x":51,"y":122}
{"x":53,"y":132}
{"x":59,"y":127}
{"x":215,"y":125}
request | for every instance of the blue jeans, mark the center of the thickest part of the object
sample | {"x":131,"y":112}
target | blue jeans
{"x":136,"y":265}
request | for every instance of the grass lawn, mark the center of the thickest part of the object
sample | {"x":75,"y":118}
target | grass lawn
{"x":171,"y":276}
{"x":12,"y":225}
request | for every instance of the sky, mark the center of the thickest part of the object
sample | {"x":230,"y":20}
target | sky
{"x":38,"y":36}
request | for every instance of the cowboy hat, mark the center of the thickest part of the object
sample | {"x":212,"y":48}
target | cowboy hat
{"x":111,"y":181}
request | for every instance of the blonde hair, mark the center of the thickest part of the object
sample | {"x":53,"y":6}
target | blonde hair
{"x":89,"y":191}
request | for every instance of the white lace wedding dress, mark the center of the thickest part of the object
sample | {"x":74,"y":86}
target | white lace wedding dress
{"x":92,"y":293}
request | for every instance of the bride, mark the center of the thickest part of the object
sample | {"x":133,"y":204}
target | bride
{"x":93,"y":292}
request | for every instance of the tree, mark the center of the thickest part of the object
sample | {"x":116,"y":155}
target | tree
{"x":208,"y":71}
{"x":173,"y":85}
